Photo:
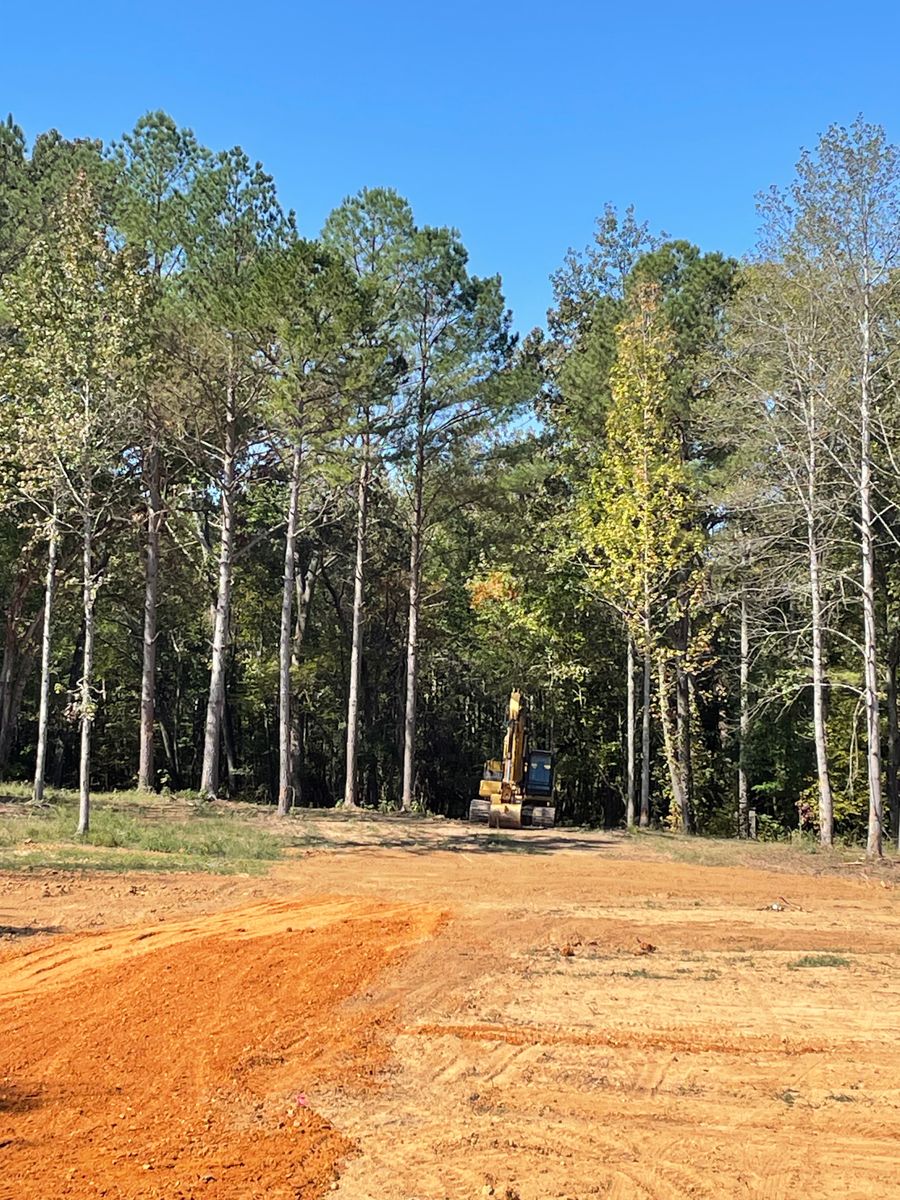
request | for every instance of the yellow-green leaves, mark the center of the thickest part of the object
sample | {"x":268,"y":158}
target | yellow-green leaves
{"x":72,"y":369}
{"x":636,"y":513}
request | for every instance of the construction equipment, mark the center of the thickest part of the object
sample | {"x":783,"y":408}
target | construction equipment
{"x":517,"y":790}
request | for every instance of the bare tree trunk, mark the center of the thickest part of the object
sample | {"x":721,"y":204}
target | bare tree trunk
{"x":229,"y":744}
{"x":65,"y":742}
{"x":285,"y":788}
{"x":87,"y":704}
{"x":683,"y":745}
{"x":870,"y":686}
{"x":893,"y":764}
{"x":412,"y":639}
{"x":669,"y":739}
{"x":170,"y":749}
{"x":743,"y":786}
{"x":209,"y":778}
{"x":820,"y":733}
{"x":15,"y":659}
{"x":152,"y":474}
{"x":350,"y":780}
{"x":645,"y":730}
{"x":40,"y":767}
{"x":305,"y":589}
{"x":629,"y":733}
{"x":10,"y":654}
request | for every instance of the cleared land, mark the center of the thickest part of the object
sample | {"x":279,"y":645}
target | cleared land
{"x":411,"y":1010}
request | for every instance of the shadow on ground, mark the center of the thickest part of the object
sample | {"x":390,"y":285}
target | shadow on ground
{"x":14,"y":932}
{"x":474,"y":843}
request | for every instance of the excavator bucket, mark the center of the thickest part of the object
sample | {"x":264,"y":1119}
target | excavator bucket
{"x":505,"y":815}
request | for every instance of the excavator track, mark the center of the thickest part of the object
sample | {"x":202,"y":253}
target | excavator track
{"x":534,"y":816}
{"x":480,"y":812}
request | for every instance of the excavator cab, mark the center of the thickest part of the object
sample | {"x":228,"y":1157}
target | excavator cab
{"x":516,"y":790}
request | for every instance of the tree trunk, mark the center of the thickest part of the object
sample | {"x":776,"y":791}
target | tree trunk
{"x":867,"y":542}
{"x":305,"y":589}
{"x":170,"y":749}
{"x":412,"y":638}
{"x":629,"y":733}
{"x":350,"y":780}
{"x":10,"y":654}
{"x":645,"y":732}
{"x":209,"y":778}
{"x":893,"y":764}
{"x":229,"y":744}
{"x":21,"y":664}
{"x":15,"y":658}
{"x":669,"y":740}
{"x":65,"y":739}
{"x":683,"y":745}
{"x":820,"y":733}
{"x":40,"y":767}
{"x":285,"y":784}
{"x":743,"y":787}
{"x":152,"y":476}
{"x":87,"y":705}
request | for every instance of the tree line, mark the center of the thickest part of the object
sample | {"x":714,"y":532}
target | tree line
{"x":285,"y":517}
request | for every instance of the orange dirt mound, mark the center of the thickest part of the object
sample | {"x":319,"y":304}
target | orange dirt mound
{"x":183,"y":1060}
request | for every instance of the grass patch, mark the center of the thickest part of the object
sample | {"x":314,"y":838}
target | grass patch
{"x":131,"y":831}
{"x":642,"y":973}
{"x":818,"y":960}
{"x":801,"y":854}
{"x":63,"y":858}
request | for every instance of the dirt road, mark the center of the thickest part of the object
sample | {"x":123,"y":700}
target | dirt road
{"x":408,"y":1012}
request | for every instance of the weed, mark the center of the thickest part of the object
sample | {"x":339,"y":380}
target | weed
{"x":818,"y":960}
{"x":641,"y":973}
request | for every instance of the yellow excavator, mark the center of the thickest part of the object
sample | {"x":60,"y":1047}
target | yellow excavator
{"x":517,"y":790}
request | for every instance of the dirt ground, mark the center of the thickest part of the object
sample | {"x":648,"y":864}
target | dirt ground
{"x":420,"y":1011}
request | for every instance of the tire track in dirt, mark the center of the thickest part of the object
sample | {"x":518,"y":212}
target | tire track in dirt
{"x":571,"y":1077}
{"x":705,"y":1069}
{"x":660,"y":1039}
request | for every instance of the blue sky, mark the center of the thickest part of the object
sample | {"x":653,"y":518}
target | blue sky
{"x":515,"y":122}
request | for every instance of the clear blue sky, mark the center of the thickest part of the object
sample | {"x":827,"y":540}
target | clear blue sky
{"x":514,"y":122}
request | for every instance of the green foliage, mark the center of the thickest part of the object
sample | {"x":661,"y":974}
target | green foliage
{"x":636,"y":470}
{"x":818,"y":960}
{"x":636,"y":521}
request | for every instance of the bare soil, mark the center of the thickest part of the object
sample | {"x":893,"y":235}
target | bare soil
{"x":419,"y":1011}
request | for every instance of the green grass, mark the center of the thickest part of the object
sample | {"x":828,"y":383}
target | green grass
{"x":803,"y":853}
{"x":818,"y":960}
{"x":132,"y":832}
{"x":63,"y":858}
{"x":642,"y":973}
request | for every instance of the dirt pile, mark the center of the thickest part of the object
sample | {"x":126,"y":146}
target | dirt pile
{"x":183,"y":1060}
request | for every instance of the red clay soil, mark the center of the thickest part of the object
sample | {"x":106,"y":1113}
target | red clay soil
{"x":183,"y":1060}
